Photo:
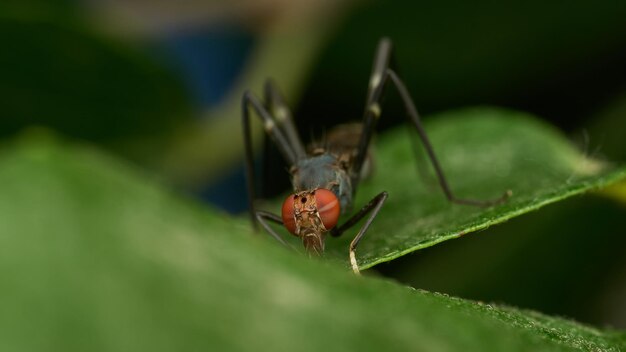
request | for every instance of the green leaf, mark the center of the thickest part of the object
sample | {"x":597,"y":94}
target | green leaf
{"x":62,"y":73}
{"x":550,"y":260}
{"x":96,"y":256}
{"x":484,"y":152}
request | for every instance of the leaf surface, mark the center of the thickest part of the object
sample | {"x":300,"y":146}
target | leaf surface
{"x":483,"y":152}
{"x":95,"y":255}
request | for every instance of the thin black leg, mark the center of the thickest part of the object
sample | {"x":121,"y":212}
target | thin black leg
{"x":269,"y":124}
{"x":381,"y":74}
{"x":283,"y":117}
{"x":372,"y":105}
{"x":249,"y":100}
{"x":382,"y":61}
{"x":373,"y":206}
{"x":415,"y":119}
{"x":263,"y":217}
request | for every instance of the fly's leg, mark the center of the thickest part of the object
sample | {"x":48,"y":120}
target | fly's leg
{"x":415,"y":119}
{"x":278,"y":109}
{"x":373,"y":207}
{"x":263,"y":217}
{"x":276,"y":134}
{"x":372,"y":108}
{"x":381,"y":75}
{"x":283,"y":117}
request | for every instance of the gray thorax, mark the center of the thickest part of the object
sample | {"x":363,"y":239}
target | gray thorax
{"x":323,"y":171}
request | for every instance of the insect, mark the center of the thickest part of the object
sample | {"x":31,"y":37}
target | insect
{"x":325,"y":178}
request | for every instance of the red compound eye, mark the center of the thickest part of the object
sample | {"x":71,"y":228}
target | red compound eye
{"x":288,"y":218}
{"x":327,"y":207}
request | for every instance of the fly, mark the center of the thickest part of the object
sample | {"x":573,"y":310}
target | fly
{"x":325,"y":177}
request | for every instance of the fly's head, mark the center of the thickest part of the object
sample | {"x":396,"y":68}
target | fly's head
{"x":309,"y":215}
{"x":323,"y":172}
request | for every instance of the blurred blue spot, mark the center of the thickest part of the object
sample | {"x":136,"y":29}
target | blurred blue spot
{"x":229,"y":193}
{"x":208,"y":60}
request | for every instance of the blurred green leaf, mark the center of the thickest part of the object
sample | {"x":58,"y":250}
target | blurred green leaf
{"x":63,"y":74}
{"x":96,"y":256}
{"x":567,"y":260}
{"x":484,"y":152}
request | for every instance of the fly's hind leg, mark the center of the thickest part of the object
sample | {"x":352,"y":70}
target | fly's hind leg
{"x":382,"y":73}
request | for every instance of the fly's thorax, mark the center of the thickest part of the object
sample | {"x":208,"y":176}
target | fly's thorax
{"x":324,"y":171}
{"x":343,"y":140}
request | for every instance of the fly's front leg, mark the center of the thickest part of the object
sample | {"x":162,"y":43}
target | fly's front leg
{"x":282,"y":114}
{"x":373,"y":207}
{"x":275,"y":133}
{"x":372,"y":106}
{"x":263,"y":217}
